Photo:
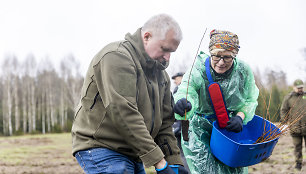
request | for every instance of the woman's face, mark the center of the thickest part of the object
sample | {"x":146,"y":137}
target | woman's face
{"x":222,"y":61}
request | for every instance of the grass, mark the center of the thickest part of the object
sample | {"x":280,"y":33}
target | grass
{"x":35,"y":150}
{"x":30,"y":153}
{"x":51,"y":153}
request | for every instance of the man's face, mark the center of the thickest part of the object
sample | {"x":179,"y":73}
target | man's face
{"x":178,"y":80}
{"x":158,"y":49}
{"x":299,"y":90}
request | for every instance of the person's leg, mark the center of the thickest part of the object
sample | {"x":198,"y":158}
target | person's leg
{"x":102,"y":160}
{"x":139,"y":168}
{"x":182,"y":153}
{"x":297,"y":142}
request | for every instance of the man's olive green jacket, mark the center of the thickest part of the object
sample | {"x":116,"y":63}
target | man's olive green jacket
{"x":126,"y":105}
{"x":293,"y":107}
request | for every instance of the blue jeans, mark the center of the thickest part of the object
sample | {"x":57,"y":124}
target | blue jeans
{"x":103,"y":160}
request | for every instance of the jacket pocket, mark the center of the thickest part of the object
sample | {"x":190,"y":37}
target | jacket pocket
{"x":95,"y":100}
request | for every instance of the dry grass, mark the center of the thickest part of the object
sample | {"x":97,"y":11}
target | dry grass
{"x":51,"y":154}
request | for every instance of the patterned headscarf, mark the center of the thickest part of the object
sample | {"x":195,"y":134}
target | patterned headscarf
{"x":223,"y":40}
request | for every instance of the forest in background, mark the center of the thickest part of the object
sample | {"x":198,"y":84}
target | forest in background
{"x":37,"y":98}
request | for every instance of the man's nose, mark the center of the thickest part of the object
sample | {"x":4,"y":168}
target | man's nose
{"x":167,"y":56}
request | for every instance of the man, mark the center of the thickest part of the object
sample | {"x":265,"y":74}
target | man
{"x":124,"y":119}
{"x":177,"y":126}
{"x":293,"y":107}
{"x":177,"y":80}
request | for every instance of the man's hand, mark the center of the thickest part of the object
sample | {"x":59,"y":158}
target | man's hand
{"x":162,"y":163}
{"x":162,"y":167}
{"x":182,"y":105}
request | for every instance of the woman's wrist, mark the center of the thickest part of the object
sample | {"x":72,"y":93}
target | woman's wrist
{"x":241,"y":114}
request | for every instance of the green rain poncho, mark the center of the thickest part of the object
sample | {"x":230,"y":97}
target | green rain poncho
{"x":240,"y":94}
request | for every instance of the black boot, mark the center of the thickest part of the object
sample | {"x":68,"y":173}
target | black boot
{"x":298,"y":166}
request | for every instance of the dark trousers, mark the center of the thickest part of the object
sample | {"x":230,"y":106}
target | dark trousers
{"x":298,"y":144}
{"x":182,"y":153}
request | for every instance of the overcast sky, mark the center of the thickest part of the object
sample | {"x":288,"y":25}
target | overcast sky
{"x":272,"y":33}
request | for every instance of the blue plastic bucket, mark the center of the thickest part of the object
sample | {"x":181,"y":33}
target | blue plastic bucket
{"x":237,"y":149}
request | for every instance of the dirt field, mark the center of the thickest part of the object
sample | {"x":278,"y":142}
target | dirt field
{"x":51,"y":154}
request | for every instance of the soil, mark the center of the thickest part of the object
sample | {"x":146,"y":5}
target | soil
{"x":281,"y":161}
{"x":58,"y":159}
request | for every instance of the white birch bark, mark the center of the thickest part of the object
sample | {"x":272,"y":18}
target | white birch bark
{"x":24,"y":109}
{"x":33,"y":104}
{"x":43,"y":114}
{"x":28,"y":103}
{"x":16,"y":99}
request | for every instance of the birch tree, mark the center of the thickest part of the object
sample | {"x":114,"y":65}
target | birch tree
{"x":15,"y":66}
{"x":44,"y":81}
{"x":7,"y":91}
{"x":1,"y":104}
{"x":30,"y":75}
{"x":71,"y":85}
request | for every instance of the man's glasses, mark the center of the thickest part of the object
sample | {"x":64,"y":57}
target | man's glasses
{"x":226,"y":59}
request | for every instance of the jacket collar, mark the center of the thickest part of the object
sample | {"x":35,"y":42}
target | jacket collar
{"x":145,"y":60}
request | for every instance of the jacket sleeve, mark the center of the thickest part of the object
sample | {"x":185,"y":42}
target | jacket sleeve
{"x":166,"y":138}
{"x":116,"y":78}
{"x":285,"y":107}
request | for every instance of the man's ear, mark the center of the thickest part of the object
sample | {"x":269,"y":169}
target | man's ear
{"x":147,"y":36}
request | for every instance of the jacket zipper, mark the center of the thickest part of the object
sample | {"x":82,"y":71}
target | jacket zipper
{"x":95,"y":99}
{"x":153,"y":110}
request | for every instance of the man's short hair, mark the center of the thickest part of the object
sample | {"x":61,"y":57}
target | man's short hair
{"x":179,"y":74}
{"x":161,"y":24}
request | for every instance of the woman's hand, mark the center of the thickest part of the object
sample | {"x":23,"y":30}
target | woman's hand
{"x":235,"y":124}
{"x":182,"y":105}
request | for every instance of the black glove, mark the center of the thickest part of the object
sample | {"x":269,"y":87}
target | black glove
{"x":181,"y":106}
{"x":235,"y":124}
{"x":182,"y":170}
{"x":166,"y":170}
{"x":177,"y":128}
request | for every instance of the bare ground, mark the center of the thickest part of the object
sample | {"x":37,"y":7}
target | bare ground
{"x":51,"y":154}
{"x":281,"y":161}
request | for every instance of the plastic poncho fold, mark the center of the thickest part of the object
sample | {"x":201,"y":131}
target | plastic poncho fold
{"x":240,"y":94}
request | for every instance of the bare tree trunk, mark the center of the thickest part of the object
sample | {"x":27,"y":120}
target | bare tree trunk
{"x":33,"y":106}
{"x":7,"y":101}
{"x":3,"y":123}
{"x":17,"y":114}
{"x":62,"y":108}
{"x":4,"y":110}
{"x":66,"y":116}
{"x":29,"y":108}
{"x":48,"y":111}
{"x":43,"y":113}
{"x":51,"y":108}
{"x":24,"y":113}
{"x":9,"y":104}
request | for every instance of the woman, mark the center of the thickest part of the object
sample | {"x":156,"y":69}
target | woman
{"x":240,"y":95}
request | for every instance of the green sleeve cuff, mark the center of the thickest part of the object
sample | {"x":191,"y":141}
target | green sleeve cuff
{"x":152,"y":157}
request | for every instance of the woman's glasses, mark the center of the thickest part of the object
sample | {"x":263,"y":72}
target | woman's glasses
{"x":226,"y":59}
